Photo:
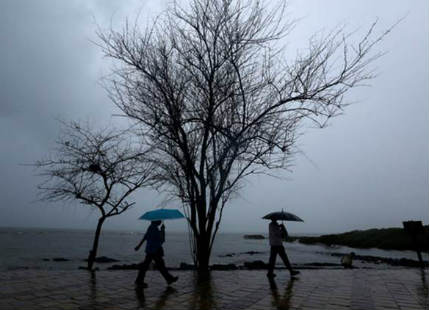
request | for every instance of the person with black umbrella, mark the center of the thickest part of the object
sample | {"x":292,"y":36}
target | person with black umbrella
{"x":277,"y":233}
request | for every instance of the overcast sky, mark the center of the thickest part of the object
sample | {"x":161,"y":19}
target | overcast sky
{"x":369,"y":168}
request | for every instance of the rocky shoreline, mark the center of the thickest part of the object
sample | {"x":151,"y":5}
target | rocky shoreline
{"x":385,"y":238}
{"x":258,"y":264}
{"x":255,"y":264}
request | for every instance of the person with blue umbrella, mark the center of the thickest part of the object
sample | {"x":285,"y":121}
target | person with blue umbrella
{"x":154,"y":238}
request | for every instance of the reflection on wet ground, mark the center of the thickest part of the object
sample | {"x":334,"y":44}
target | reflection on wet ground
{"x":422,"y":289}
{"x":140,"y":296}
{"x":313,"y":289}
{"x":281,"y":300}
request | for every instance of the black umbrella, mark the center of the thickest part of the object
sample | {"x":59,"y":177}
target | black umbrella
{"x":282,"y":216}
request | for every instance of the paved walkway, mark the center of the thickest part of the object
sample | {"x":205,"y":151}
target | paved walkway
{"x":314,"y":289}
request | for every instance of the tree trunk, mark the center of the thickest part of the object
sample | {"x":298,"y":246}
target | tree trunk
{"x":93,"y":253}
{"x":203,"y":257}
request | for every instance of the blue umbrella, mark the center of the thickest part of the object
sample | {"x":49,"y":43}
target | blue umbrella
{"x":162,"y":214}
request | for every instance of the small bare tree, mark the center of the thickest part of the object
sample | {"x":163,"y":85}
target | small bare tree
{"x":98,"y":168}
{"x":217,"y":98}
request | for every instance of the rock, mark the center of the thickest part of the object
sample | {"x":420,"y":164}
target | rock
{"x":322,"y":264}
{"x":124,"y":267}
{"x":86,"y":268}
{"x":258,"y":264}
{"x":228,"y":255}
{"x":103,"y":260}
{"x":18,"y":268}
{"x":410,"y":263}
{"x":185,"y":266}
{"x":252,"y":252}
{"x":60,"y":259}
{"x":256,"y":237}
{"x":223,"y":267}
{"x":386,"y":238}
{"x":384,"y":260}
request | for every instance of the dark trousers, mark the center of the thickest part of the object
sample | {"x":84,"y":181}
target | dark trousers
{"x":159,"y":261}
{"x":280,"y":250}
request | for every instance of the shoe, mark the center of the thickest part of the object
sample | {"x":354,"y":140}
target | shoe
{"x":140,"y":284}
{"x":172,"y":280}
{"x":271,"y":275}
{"x":294,"y":272}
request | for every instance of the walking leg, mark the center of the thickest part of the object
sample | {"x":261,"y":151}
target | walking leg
{"x":143,"y":268}
{"x":283,"y":255}
{"x":272,"y":262}
{"x":163,"y":270}
{"x":285,"y":259}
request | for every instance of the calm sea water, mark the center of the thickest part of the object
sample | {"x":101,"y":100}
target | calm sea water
{"x":21,"y":248}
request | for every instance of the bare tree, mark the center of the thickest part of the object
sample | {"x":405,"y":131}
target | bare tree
{"x":98,"y":168}
{"x":216,"y":97}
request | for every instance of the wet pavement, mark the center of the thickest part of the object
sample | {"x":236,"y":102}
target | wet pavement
{"x":313,"y":289}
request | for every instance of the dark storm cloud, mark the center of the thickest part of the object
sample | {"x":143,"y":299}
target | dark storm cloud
{"x":50,"y":69}
{"x":368,"y":169}
{"x":46,"y":64}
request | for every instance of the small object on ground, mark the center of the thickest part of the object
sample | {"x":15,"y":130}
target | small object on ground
{"x":172,"y":280}
{"x":384,"y":260}
{"x":347,"y":260}
{"x":415,"y":229}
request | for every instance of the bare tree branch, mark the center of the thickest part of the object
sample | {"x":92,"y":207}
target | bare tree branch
{"x":98,"y":168}
{"x":216,"y":99}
